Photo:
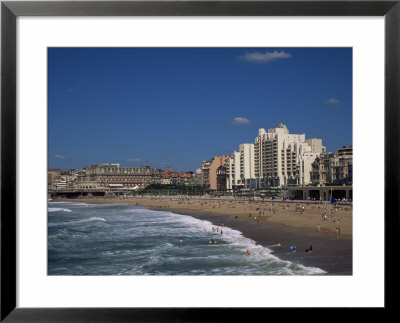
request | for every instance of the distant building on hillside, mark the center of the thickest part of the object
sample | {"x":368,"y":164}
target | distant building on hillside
{"x":53,"y":176}
{"x":175,"y":178}
{"x":61,"y":179}
{"x":196,"y":179}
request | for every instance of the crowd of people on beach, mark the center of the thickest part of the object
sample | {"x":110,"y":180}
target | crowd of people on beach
{"x":258,"y":210}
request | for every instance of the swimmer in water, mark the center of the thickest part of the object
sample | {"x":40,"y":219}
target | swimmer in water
{"x":248,"y":252}
{"x":181,"y":240}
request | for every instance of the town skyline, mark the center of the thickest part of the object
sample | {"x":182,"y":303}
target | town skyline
{"x":146,"y":163}
{"x":170,"y":107}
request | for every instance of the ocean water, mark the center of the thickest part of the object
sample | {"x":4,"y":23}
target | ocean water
{"x":109,"y":239}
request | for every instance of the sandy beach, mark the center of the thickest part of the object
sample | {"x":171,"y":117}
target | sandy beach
{"x":274,"y":224}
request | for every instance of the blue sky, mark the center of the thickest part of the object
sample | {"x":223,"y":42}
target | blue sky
{"x":178,"y":106}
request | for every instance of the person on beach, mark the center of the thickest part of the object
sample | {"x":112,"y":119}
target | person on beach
{"x":319,"y":229}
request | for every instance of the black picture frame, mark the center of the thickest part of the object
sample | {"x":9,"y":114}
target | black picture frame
{"x":10,"y":10}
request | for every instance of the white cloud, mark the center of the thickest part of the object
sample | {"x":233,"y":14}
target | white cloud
{"x":238,"y":121}
{"x":133,"y":160}
{"x":266,"y":57}
{"x":60,"y":156}
{"x":332,"y":101}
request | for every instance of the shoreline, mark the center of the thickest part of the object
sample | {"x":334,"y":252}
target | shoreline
{"x":331,"y":253}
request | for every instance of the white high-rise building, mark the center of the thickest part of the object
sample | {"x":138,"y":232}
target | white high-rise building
{"x":316,"y":145}
{"x":241,"y":167}
{"x":306,"y":160}
{"x":282,"y":159}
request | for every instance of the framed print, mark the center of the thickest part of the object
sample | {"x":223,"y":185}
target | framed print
{"x":112,"y":208}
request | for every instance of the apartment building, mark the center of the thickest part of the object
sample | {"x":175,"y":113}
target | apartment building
{"x":316,"y":145}
{"x":282,"y":159}
{"x":214,"y":172}
{"x":333,"y":169}
{"x":240,"y":170}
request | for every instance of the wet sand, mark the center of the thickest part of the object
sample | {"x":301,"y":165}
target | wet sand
{"x":332,"y":254}
{"x":269,"y":224}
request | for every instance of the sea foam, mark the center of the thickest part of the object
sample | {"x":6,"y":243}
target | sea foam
{"x":58,"y":209}
{"x":147,"y":242}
